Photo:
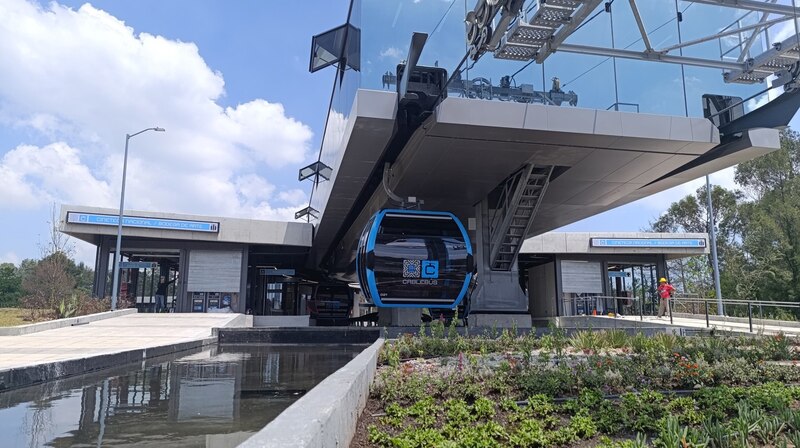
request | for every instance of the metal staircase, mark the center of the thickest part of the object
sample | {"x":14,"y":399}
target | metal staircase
{"x":518,"y":201}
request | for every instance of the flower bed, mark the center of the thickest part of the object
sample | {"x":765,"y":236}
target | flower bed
{"x":439,"y":389}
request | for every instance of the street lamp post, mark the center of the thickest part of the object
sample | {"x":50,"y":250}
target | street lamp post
{"x":118,"y":253}
{"x":714,"y":259}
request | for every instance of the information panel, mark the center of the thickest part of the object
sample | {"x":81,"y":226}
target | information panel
{"x":141,"y":222}
{"x":649,"y":242}
{"x":198,"y":302}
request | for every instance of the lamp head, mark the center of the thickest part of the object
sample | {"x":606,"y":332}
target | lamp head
{"x":159,"y":129}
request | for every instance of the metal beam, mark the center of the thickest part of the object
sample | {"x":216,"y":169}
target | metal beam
{"x":640,"y":24}
{"x":751,"y":5}
{"x":655,"y":57}
{"x":509,"y":13}
{"x":567,"y":29}
{"x":414,"y":52}
{"x":767,"y":59}
{"x":743,"y":51}
{"x":726,"y":33}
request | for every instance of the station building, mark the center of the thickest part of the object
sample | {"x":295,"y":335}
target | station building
{"x":257,"y":267}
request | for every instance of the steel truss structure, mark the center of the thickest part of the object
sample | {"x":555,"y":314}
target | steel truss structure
{"x":504,"y":29}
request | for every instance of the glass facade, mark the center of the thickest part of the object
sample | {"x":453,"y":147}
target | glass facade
{"x":383,"y":29}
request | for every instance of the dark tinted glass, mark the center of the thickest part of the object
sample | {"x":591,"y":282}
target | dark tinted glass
{"x":420,"y":225}
{"x":327,"y":48}
{"x":398,"y":276}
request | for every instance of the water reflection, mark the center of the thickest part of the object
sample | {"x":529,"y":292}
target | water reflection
{"x":214,"y":398}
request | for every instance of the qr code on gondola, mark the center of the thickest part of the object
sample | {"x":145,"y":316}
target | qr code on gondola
{"x":411,"y":268}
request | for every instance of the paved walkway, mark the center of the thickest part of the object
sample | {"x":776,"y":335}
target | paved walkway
{"x":700,"y":323}
{"x":118,"y":334}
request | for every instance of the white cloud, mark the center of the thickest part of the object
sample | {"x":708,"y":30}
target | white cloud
{"x":392,"y":53}
{"x":293,"y":196}
{"x":9,"y":257}
{"x":38,"y":175}
{"x":83,"y":79}
{"x":272,"y":137}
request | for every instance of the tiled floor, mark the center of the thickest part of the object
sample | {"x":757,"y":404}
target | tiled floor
{"x":132,"y":331}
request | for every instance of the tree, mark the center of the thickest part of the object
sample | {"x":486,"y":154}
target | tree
{"x":690,"y":215}
{"x":49,"y":284}
{"x":10,"y":285}
{"x":772,"y":218}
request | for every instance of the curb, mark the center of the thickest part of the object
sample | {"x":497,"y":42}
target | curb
{"x":15,"y":378}
{"x":61,"y":323}
{"x":327,"y":415}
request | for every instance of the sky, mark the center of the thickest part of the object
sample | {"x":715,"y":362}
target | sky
{"x":230,"y":83}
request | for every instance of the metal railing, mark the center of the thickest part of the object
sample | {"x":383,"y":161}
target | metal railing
{"x":616,"y":105}
{"x":600,"y":305}
{"x":734,"y":309}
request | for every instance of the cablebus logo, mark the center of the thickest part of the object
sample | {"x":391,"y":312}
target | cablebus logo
{"x":420,"y":272}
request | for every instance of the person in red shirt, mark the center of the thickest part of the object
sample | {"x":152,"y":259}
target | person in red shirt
{"x":665,"y":291}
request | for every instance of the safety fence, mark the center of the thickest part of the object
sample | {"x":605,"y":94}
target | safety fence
{"x":756,"y":314}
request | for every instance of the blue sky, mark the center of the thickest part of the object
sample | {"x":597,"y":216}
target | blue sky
{"x":230,"y":82}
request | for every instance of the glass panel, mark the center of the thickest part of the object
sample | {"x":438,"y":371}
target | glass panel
{"x":381,"y":30}
{"x":327,"y":48}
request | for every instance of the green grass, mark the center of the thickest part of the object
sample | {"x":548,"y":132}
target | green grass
{"x":10,"y":317}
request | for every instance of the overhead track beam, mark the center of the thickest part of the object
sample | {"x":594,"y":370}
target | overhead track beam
{"x":727,"y":33}
{"x":780,"y":56}
{"x":567,"y":29}
{"x":655,"y":56}
{"x":751,"y":5}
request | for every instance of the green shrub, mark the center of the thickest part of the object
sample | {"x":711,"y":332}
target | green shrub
{"x":553,"y":382}
{"x":717,"y":434}
{"x":529,"y":433}
{"x":587,"y":341}
{"x":642,"y":411}
{"x":615,"y":339}
{"x":609,"y":418}
{"x":485,"y":435}
{"x":583,"y":425}
{"x":483,"y":408}
{"x":685,"y":410}
{"x":458,"y":413}
{"x":717,"y":403}
{"x":671,"y":435}
{"x":772,"y":396}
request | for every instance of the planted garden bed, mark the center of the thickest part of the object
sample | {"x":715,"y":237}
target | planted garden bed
{"x":607,"y":389}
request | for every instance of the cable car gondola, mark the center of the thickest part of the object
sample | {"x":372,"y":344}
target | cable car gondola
{"x":412,"y":258}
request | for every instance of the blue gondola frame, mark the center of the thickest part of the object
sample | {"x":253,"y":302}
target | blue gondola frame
{"x":366,"y":262}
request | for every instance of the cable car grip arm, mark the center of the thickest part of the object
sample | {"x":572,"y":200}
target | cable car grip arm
{"x":387,"y":171}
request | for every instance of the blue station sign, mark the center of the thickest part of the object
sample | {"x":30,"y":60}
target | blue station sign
{"x":649,"y":242}
{"x":276,"y":272}
{"x":138,"y":265}
{"x":143,"y":223}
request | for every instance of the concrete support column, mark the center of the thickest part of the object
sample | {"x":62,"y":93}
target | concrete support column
{"x":399,"y":317}
{"x":243,"y":283}
{"x":182,"y":299}
{"x":498,"y":299}
{"x":101,"y":268}
{"x":542,"y":298}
